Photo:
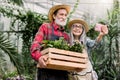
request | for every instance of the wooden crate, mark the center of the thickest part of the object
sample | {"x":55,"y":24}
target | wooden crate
{"x":64,"y":60}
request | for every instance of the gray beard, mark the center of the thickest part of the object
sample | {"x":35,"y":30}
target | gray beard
{"x":57,"y":21}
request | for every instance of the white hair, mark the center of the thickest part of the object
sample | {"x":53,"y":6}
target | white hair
{"x":82,"y":37}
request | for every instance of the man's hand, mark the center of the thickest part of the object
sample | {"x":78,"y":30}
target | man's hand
{"x":42,"y":61}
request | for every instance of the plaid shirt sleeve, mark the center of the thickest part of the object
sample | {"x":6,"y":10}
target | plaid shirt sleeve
{"x":35,"y":47}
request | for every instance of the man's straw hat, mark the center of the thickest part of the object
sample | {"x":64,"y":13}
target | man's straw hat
{"x":56,"y":7}
{"x":79,"y":21}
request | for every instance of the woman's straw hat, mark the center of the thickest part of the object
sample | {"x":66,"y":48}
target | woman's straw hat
{"x":79,"y":21}
{"x":56,"y":7}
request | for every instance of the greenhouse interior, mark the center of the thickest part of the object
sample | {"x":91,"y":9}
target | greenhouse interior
{"x":20,"y":21}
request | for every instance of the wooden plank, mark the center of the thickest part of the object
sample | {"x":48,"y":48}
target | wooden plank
{"x":64,"y":52}
{"x":53,"y":66}
{"x":67,"y":58}
{"x":66,"y":64}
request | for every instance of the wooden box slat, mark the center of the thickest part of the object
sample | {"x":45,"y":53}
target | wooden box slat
{"x":67,"y":58}
{"x":64,"y":60}
{"x":64,"y":52}
{"x":67,"y":64}
{"x":56,"y":64}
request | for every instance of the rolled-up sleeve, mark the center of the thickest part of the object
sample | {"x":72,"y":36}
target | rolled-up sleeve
{"x":91,"y":44}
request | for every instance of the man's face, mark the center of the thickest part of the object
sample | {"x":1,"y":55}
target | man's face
{"x":61,"y":17}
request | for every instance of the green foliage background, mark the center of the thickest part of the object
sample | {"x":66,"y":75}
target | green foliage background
{"x":105,"y":58}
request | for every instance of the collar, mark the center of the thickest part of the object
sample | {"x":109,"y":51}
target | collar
{"x":56,"y":27}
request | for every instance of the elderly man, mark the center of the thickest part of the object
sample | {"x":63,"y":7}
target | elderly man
{"x":50,"y":31}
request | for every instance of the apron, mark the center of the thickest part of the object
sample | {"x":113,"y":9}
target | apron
{"x":51,"y":74}
{"x":85,"y":74}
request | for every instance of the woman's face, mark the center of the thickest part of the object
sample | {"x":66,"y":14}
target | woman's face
{"x":77,"y":29}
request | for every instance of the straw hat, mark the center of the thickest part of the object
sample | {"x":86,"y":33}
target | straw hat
{"x":56,"y":7}
{"x":79,"y":21}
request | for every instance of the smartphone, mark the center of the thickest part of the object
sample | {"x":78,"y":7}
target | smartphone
{"x":98,"y":27}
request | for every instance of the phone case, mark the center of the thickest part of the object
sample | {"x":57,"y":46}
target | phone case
{"x":98,"y":27}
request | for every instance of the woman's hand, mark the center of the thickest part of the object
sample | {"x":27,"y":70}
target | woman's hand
{"x":104,"y":30}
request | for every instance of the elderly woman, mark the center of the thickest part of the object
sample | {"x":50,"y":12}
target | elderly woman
{"x":78,"y":29}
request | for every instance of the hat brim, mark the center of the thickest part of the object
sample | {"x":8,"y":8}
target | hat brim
{"x":56,"y":7}
{"x":79,"y":21}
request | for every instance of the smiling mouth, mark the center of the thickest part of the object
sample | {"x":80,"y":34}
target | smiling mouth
{"x":77,"y":31}
{"x":61,"y":20}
